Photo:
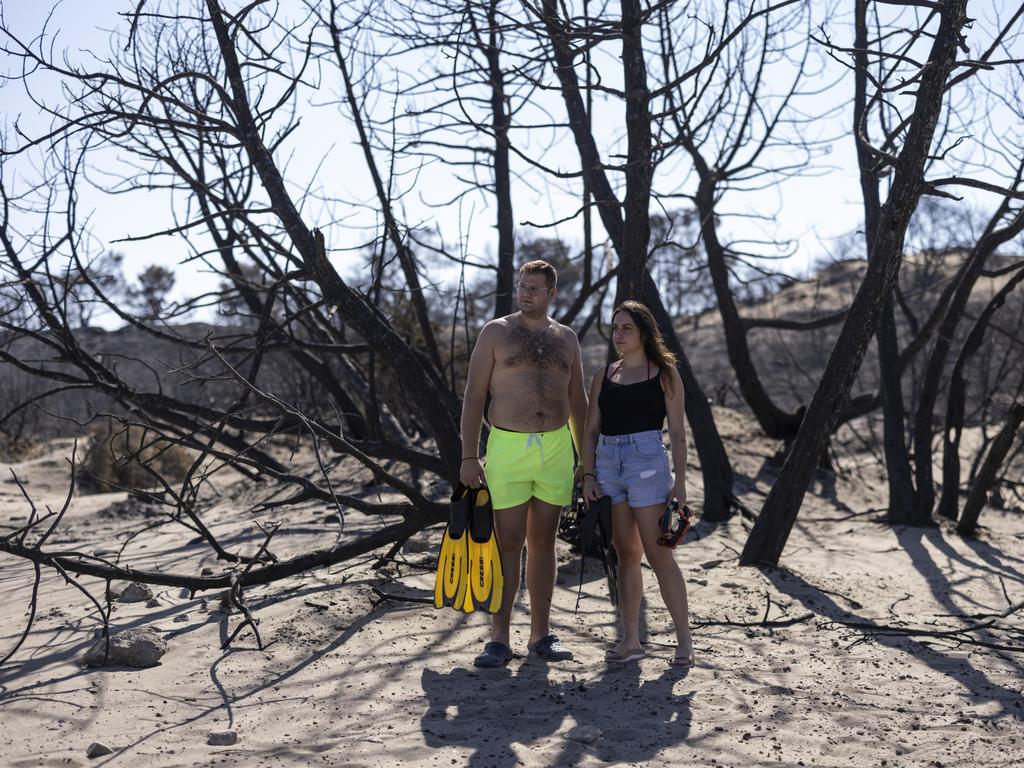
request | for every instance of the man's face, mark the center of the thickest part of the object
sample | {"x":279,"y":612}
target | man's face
{"x":533,"y":294}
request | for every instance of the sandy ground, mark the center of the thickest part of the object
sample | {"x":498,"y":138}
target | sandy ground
{"x":349,"y":678}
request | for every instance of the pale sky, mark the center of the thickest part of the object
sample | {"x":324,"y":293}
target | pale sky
{"x":811,"y":210}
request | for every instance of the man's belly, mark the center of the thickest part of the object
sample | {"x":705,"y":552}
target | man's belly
{"x":529,"y":401}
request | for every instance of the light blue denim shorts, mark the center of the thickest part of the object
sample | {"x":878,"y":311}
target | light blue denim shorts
{"x":633,"y":468}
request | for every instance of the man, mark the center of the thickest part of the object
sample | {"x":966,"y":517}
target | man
{"x":532,"y":366}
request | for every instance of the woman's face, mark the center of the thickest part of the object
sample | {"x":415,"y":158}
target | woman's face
{"x":625,"y":334}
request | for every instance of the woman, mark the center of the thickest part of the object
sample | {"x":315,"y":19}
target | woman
{"x":623,"y":457}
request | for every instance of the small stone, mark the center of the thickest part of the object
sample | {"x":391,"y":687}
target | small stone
{"x":135,"y":593}
{"x":98,"y":749}
{"x":135,"y":647}
{"x":185,"y":594}
{"x":418,"y":544}
{"x":584,"y":734}
{"x":153,"y":603}
{"x":206,"y":571}
{"x":222,"y":738}
{"x":180,"y":618}
{"x":332,"y":519}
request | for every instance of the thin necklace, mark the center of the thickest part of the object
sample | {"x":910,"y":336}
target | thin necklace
{"x":622,"y":364}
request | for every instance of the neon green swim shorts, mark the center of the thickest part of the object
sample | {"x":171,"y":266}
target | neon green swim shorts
{"x":521,"y":465}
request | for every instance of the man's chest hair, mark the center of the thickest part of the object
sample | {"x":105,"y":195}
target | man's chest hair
{"x":542,"y":348}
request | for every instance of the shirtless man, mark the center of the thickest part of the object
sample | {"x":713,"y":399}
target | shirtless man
{"x":533,"y":369}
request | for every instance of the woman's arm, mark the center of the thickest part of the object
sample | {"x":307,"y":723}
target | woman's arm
{"x":591,"y":490}
{"x":677,"y":434}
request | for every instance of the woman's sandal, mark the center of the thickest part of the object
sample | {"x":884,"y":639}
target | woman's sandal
{"x":682,"y":660}
{"x":614,"y":657}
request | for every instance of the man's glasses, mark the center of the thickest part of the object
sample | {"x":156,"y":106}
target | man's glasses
{"x":521,"y":288}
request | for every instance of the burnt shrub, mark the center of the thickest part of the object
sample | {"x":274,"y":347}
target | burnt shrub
{"x":118,"y":455}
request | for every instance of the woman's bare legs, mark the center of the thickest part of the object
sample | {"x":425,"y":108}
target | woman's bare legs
{"x":670,"y":578}
{"x":629,"y":549}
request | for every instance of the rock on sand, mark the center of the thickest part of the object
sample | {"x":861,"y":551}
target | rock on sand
{"x":135,"y":647}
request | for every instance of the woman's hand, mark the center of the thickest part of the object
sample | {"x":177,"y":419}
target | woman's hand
{"x":591,"y":490}
{"x":679,"y":492}
{"x":471,"y":474}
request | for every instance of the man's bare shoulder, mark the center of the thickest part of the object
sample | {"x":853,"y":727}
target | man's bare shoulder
{"x":494,"y":329}
{"x":505,"y":322}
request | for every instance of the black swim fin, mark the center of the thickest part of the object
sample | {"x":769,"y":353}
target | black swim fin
{"x":451,"y":582}
{"x":484,"y":563}
{"x":595,"y":538}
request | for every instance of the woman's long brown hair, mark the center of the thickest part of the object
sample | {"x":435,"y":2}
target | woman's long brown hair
{"x":653,"y":341}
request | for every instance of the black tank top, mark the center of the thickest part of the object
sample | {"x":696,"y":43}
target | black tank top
{"x":628,"y":408}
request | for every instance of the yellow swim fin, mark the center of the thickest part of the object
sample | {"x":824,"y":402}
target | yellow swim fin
{"x":484,"y":562}
{"x":451,"y":585}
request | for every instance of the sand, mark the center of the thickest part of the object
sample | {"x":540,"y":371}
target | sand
{"x":350,"y":677}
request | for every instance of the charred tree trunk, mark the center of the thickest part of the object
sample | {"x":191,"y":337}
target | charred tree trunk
{"x":717,"y":472}
{"x":770,"y":532}
{"x":315,"y":366}
{"x":636,"y":229}
{"x":988,"y":474}
{"x":775,"y":422}
{"x":398,"y":241}
{"x":986,"y":246}
{"x":501,"y":121}
{"x":897,"y":459}
{"x":955,"y":399}
{"x":436,"y":404}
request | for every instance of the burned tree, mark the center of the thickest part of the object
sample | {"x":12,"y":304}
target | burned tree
{"x":907,"y":151}
{"x":204,"y":104}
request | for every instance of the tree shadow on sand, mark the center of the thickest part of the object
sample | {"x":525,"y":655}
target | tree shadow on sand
{"x":615,"y":717}
{"x":980,"y":688}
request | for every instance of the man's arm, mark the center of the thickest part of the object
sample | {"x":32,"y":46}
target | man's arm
{"x":577,"y":395}
{"x":588,"y":456}
{"x":478,"y":380}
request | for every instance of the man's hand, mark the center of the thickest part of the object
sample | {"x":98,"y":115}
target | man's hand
{"x":471,"y":474}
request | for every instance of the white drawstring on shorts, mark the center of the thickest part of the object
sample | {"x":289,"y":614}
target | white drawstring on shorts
{"x":534,"y":437}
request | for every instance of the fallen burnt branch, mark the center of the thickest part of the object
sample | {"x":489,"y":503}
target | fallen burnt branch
{"x":318,"y":432}
{"x":18,"y":536}
{"x":83,"y":564}
{"x":1013,"y":608}
{"x":73,"y":564}
{"x":236,"y":597}
{"x":959,"y":635}
{"x":763,"y":623}
{"x":387,"y":596}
